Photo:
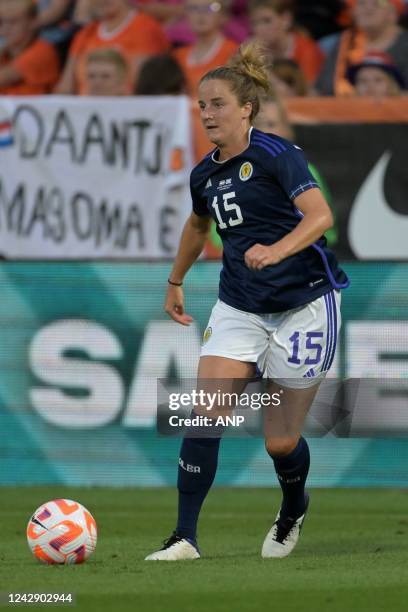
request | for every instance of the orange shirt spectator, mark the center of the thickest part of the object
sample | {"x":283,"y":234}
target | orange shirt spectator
{"x":273,"y":27}
{"x":142,"y":37}
{"x":28,"y":65}
{"x":134,"y":34}
{"x":193,"y":71}
{"x":210,"y":48}
{"x":308,"y":56}
{"x":375,"y":29}
{"x":38,"y":68}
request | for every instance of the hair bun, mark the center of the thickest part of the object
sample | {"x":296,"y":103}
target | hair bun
{"x":251,"y":62}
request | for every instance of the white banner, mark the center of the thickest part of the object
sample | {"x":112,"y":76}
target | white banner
{"x":93,"y":178}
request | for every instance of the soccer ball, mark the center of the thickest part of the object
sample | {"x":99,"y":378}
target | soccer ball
{"x":62,"y":531}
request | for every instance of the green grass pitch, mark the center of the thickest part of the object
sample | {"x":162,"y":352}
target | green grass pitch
{"x":352,"y":556}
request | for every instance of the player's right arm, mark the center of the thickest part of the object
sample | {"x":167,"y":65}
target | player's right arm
{"x":193,"y":239}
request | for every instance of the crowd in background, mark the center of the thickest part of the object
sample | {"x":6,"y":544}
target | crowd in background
{"x":153,"y":47}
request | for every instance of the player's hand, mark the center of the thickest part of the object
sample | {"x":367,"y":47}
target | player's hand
{"x":259,"y":256}
{"x":174,"y":305}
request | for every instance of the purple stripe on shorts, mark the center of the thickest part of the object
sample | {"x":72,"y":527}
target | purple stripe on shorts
{"x":334,"y":330}
{"x":329,"y":331}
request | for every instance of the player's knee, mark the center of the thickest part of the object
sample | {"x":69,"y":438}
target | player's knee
{"x":276,"y":447}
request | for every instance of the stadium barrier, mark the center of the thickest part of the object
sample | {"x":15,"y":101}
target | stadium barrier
{"x":82,"y":347}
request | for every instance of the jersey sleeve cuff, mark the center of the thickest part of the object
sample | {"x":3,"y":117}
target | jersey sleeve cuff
{"x":302,"y":188}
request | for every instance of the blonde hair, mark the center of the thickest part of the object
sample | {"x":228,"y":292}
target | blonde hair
{"x":247,"y":75}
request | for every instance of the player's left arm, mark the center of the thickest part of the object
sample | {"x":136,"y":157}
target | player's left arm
{"x":291,"y":169}
{"x":317,"y":219}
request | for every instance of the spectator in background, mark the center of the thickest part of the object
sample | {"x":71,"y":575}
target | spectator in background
{"x":375,"y":29}
{"x":159,"y":76}
{"x":237,"y":26}
{"x":319,"y":17}
{"x":83,"y":12}
{"x":55,"y":23}
{"x":28,"y":65}
{"x":273,"y":26}
{"x":288,"y":78}
{"x":273,"y":118}
{"x":134,"y":34}
{"x":107,"y":73}
{"x":52,"y":19}
{"x":376,"y":76}
{"x":211,"y":48}
{"x":171,"y":14}
{"x":344,"y":19}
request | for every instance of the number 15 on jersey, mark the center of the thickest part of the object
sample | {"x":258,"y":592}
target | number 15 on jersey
{"x":227,"y":207}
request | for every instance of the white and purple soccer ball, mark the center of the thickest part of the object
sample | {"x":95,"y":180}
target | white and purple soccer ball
{"x":62,"y":531}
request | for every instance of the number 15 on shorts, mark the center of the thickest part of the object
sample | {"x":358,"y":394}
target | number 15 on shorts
{"x":313,"y":346}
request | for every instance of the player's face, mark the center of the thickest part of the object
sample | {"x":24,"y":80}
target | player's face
{"x":269,"y":27}
{"x":221,"y":114}
{"x":204,"y":16}
{"x":105,"y":79}
{"x":372,"y":81}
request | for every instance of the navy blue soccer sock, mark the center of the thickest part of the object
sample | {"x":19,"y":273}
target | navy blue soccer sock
{"x":196,"y":472}
{"x":292,"y":471}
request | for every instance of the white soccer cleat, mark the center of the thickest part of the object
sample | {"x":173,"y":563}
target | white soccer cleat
{"x":175,"y":548}
{"x":283,"y":537}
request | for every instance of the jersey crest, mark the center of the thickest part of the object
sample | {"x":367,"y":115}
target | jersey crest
{"x":245,"y":171}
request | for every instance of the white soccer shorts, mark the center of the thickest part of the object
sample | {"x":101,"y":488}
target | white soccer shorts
{"x":296,"y":347}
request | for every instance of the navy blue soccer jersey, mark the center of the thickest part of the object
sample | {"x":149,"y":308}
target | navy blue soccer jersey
{"x":250,"y":197}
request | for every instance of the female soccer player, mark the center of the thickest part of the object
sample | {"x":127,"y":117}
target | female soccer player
{"x":279,"y":298}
